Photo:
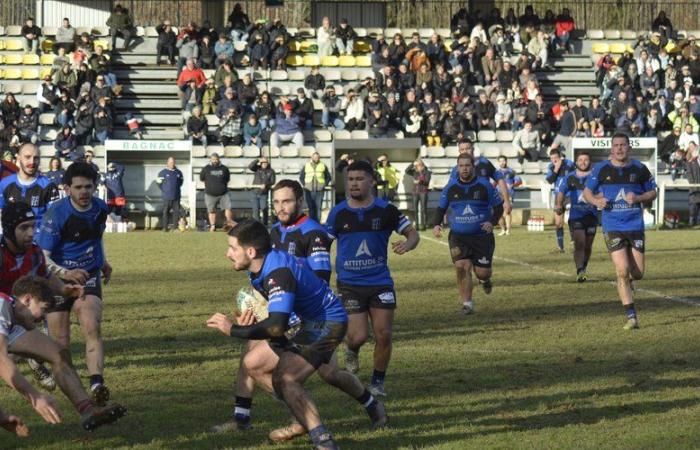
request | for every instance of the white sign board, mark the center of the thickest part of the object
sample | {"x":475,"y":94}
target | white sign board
{"x":148,"y":146}
{"x":605,"y":143}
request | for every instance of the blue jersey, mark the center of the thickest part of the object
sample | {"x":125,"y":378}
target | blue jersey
{"x":572,"y":187}
{"x":482,"y":168}
{"x":113,"y":182}
{"x":567,"y":166}
{"x":305,"y":238}
{"x":469,"y":205}
{"x":291,"y":287}
{"x":363,"y":237}
{"x":38,"y":194}
{"x":511,"y":179}
{"x":74,"y":237}
{"x":615,"y":183}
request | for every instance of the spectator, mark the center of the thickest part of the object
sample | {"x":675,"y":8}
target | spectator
{"x":433,"y":130}
{"x":103,"y":126}
{"x":504,"y":114}
{"x":324,"y":38}
{"x":688,"y":136}
{"x":187,"y":50}
{"x":247,"y":93}
{"x":421,"y":187}
{"x":66,"y":145}
{"x":461,"y":23}
{"x":537,"y":47}
{"x":564,"y":27}
{"x":304,"y":108}
{"x":315,"y":83}
{"x":259,"y":52}
{"x":191,"y":80}
{"x":28,"y":125}
{"x":263,"y":180}
{"x":478,"y":32}
{"x":501,"y":42}
{"x":682,"y":117}
{"x":354,"y":111}
{"x":216,"y":177}
{"x":166,"y":42}
{"x":567,"y":128}
{"x":207,"y":55}
{"x":377,"y":124}
{"x":435,"y":50}
{"x":252,"y":132}
{"x":278,"y":53}
{"x":397,"y":50}
{"x":116,"y":196}
{"x":331,"y":110}
{"x":84,"y":123}
{"x":223,"y":50}
{"x":197,"y":127}
{"x":265,"y":110}
{"x":60,"y":60}
{"x":228,"y":103}
{"x":65,"y":37}
{"x":239,"y":23}
{"x":345,"y":37}
{"x":527,"y":143}
{"x":121,"y":24}
{"x":388,"y":178}
{"x":693,"y":175}
{"x":596,"y":118}
{"x":315,"y":176}
{"x":230,"y":128}
{"x":101,"y":90}
{"x":662,"y":25}
{"x":10,"y":109}
{"x":630,"y":123}
{"x":64,"y":109}
{"x":55,"y":173}
{"x":412,"y":123}
{"x":453,"y":127}
{"x":31,"y":34}
{"x":677,"y":165}
{"x":209,"y":97}
{"x":287,"y":128}
{"x":485,"y":113}
{"x":67,"y":79}
{"x":170,"y":182}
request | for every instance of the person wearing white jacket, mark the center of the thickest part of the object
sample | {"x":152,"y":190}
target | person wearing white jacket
{"x":354,"y":111}
{"x":325,"y":38}
{"x":687,"y":136}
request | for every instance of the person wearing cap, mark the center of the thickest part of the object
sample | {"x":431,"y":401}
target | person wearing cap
{"x":345,"y":37}
{"x":263,"y":180}
{"x":166,"y":42}
{"x":330,"y":116}
{"x":504,"y":113}
{"x":65,"y":37}
{"x":28,"y":124}
{"x":121,"y":24}
{"x":113,"y":181}
{"x":315,"y":83}
{"x":197,"y":127}
{"x":258,"y":51}
{"x":170,"y":182}
{"x":31,"y":34}
{"x":191,"y":80}
{"x":287,"y":128}
{"x":325,"y":38}
{"x":230,"y":132}
{"x":216,"y":177}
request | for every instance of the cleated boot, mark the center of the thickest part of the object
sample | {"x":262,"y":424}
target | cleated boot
{"x":487,"y":285}
{"x":97,"y":417}
{"x":42,"y":375}
{"x":631,"y":324}
{"x":377,"y":414}
{"x":287,"y":433}
{"x":100,"y":394}
{"x":377,"y":389}
{"x":232,"y":425}
{"x":581,"y":277}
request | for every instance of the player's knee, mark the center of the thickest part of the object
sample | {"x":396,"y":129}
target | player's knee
{"x":251,"y":363}
{"x":61,"y":360}
{"x":637,"y":274}
{"x":483,"y":274}
{"x":356,"y":338}
{"x":383,"y":337}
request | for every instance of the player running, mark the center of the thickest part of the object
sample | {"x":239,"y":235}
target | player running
{"x":558,"y":169}
{"x":473,"y":208}
{"x":291,"y":287}
{"x":512,"y":180}
{"x":19,"y":314}
{"x":28,"y":186}
{"x":363,"y":225}
{"x":583,"y":216}
{"x":71,"y":238}
{"x":625,"y":184}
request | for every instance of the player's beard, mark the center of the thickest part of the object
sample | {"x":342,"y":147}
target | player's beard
{"x":28,"y":171}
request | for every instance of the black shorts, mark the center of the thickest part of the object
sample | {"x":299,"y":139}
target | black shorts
{"x":587,"y":223}
{"x":478,"y":249}
{"x":618,"y":240}
{"x":314,"y":341}
{"x":358,"y":299}
{"x":93,"y":286}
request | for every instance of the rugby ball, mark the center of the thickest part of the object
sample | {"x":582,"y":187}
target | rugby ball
{"x":248,"y":298}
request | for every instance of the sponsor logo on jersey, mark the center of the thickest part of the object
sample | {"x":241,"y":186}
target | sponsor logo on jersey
{"x":633,"y":178}
{"x":376,"y":223}
{"x":363,"y":249}
{"x":621,"y":196}
{"x":468,"y":210}
{"x":292,"y":248}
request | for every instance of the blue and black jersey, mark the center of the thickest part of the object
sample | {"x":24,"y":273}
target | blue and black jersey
{"x":482,"y":168}
{"x":363,"y":237}
{"x":572,"y":187}
{"x":113,"y":181}
{"x":290,"y":286}
{"x":38,"y":194}
{"x":511,"y":179}
{"x":468,"y":205}
{"x":55,"y":176}
{"x":615,"y":183}
{"x":74,"y":237}
{"x":305,"y":238}
{"x":555,"y":177}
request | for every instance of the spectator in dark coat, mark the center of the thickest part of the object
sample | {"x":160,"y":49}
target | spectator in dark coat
{"x":263,"y":180}
{"x":31,"y":34}
{"x":28,"y":124}
{"x":239,"y":23}
{"x":304,"y":108}
{"x":259,"y":53}
{"x":344,"y":37}
{"x":197,"y":127}
{"x":166,"y":42}
{"x":121,"y":24}
{"x":315,"y":83}
{"x":170,"y":182}
{"x":278,"y":54}
{"x":84,"y":123}
{"x":66,"y":144}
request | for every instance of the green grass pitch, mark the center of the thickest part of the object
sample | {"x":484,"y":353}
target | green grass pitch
{"x":543,"y":364}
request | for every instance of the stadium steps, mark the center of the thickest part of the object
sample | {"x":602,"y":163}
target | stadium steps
{"x":150,"y":89}
{"x":156,"y":74}
{"x":571,"y":61}
{"x":566,"y":76}
{"x":140,"y":103}
{"x":151,"y":133}
{"x":156,"y":118}
{"x":578,"y":90}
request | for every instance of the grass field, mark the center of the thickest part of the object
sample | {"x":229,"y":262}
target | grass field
{"x":543,"y":364}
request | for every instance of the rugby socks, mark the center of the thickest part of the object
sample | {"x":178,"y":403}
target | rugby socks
{"x":96,"y":380}
{"x":468,"y":304}
{"x":241,"y":412}
{"x":630,"y":312}
{"x":320,"y":435}
{"x":378,"y":377}
{"x":83,"y":406}
{"x":560,"y":238}
{"x":367,"y":400}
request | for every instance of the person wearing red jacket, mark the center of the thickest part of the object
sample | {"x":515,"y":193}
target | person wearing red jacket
{"x":7,"y":168}
{"x":191,"y":79}
{"x":564,"y":25}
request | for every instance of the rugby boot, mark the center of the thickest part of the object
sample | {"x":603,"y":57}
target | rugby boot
{"x":377,"y":389}
{"x":287,"y":433}
{"x":467,"y":308}
{"x":100,"y":394}
{"x":581,"y":276}
{"x":95,"y":417}
{"x":377,"y":413}
{"x":631,"y":324}
{"x":232,"y":425}
{"x":42,"y":375}
{"x":487,"y":285}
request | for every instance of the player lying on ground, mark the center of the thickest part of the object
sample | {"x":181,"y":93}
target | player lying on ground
{"x":473,"y":208}
{"x":626,"y":184}
{"x":71,"y":238}
{"x":583,"y":216}
{"x":13,"y":424}
{"x":19,"y":315}
{"x":290,"y":286}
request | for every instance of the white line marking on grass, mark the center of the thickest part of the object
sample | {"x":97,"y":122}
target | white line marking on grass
{"x":683,"y":300}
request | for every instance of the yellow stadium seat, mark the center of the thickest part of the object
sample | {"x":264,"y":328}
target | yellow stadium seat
{"x":671,"y":47}
{"x":2,"y":45}
{"x":12,"y":74}
{"x":600,"y":47}
{"x":311,"y":60}
{"x":363,"y":61}
{"x":47,"y":59}
{"x":47,"y":46}
{"x":295,"y":60}
{"x":448,"y":45}
{"x":101,"y":43}
{"x":329,"y":61}
{"x":13,"y":44}
{"x":362,"y":47}
{"x":30,"y":74}
{"x":346,"y":61}
{"x":617,"y":47}
{"x":13,"y":59}
{"x":2,"y":74}
{"x":1,"y":59}
{"x":308,"y":46}
{"x":294,"y":46}
{"x":45,"y":72}
{"x":30,"y":60}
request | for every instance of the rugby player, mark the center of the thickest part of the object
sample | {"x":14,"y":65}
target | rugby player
{"x":484,"y":168}
{"x":71,"y":238}
{"x":300,"y":236}
{"x":512,"y":181}
{"x":583,"y":216}
{"x":363,"y":224}
{"x":290,"y":286}
{"x":13,"y":424}
{"x":625,"y":184}
{"x":557,"y":170}
{"x":28,"y":186}
{"x":19,"y":314}
{"x":473,"y":208}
